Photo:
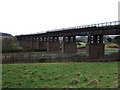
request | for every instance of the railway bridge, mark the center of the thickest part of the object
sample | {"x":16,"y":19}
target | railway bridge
{"x":50,"y":40}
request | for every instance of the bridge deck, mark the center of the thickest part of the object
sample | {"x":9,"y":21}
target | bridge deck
{"x":107,"y":28}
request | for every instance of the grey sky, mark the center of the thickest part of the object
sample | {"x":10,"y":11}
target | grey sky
{"x":32,"y":16}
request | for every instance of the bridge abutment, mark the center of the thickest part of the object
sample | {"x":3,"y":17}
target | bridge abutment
{"x":95,"y":47}
{"x":69,"y":45}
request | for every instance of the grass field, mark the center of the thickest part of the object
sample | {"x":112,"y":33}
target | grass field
{"x":60,"y":75}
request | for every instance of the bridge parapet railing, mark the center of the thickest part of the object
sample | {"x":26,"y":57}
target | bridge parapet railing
{"x":91,"y":25}
{"x":100,"y":24}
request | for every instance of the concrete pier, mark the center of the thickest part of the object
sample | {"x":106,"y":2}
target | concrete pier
{"x":69,"y":45}
{"x":95,"y":47}
{"x":53,"y":44}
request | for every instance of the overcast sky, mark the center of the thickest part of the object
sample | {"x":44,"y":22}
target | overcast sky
{"x":32,"y":16}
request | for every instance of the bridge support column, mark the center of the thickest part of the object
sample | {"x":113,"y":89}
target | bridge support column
{"x":69,"y":45}
{"x":95,"y":47}
{"x":35,"y":43}
{"x":53,"y":44}
{"x":29,"y":43}
{"x":43,"y":43}
{"x":25,"y":43}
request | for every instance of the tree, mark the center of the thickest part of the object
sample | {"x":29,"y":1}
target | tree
{"x":10,"y":44}
{"x":109,"y":39}
{"x":117,"y":40}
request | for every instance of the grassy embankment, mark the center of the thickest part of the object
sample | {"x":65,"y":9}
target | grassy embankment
{"x":61,"y":75}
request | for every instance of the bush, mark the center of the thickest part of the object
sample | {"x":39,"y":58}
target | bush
{"x":81,"y":46}
{"x":37,"y":50}
{"x":74,"y":81}
{"x":11,"y":51}
{"x":109,"y":39}
{"x":10,"y":45}
{"x":112,"y":45}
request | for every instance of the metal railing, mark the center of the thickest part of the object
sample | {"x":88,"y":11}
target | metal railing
{"x":113,"y":23}
{"x":87,"y":26}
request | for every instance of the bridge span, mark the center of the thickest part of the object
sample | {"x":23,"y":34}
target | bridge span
{"x":50,"y":40}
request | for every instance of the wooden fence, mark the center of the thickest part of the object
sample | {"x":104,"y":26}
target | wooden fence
{"x":31,"y":57}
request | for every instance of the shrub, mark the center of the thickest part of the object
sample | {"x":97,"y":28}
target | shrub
{"x":10,"y":45}
{"x":74,"y":81}
{"x":78,"y":74}
{"x":94,"y":81}
{"x":81,"y":46}
{"x":112,"y":45}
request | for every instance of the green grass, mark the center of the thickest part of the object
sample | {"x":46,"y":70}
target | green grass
{"x":109,"y":50}
{"x":81,"y":46}
{"x":60,"y":75}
